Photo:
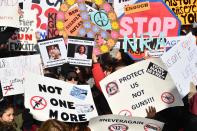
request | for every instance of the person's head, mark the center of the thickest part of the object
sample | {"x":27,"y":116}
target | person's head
{"x":81,"y":49}
{"x":53,"y":125}
{"x":7,"y":127}
{"x":124,"y":57}
{"x":72,"y":77}
{"x":6,"y":112}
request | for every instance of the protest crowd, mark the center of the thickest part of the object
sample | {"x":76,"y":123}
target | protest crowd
{"x":97,"y":65}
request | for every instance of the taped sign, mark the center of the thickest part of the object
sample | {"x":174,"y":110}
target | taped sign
{"x":151,"y":21}
{"x":143,"y":6}
{"x":186,"y":10}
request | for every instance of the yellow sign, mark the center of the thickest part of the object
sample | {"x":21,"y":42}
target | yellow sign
{"x":143,"y":6}
{"x":186,"y":10}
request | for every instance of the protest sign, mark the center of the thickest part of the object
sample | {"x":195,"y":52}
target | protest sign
{"x":53,"y":52}
{"x":9,"y":13}
{"x":130,"y":90}
{"x":139,"y":7}
{"x":90,"y":22}
{"x":150,"y":21}
{"x":46,"y":10}
{"x":185,"y":10}
{"x":49,"y":98}
{"x":24,"y":38}
{"x":12,"y":72}
{"x":148,"y":47}
{"x":119,"y":6}
{"x":124,"y":123}
{"x":181,"y":61}
{"x":80,"y":51}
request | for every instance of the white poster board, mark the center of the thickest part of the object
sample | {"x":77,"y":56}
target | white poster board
{"x":53,"y":52}
{"x":130,"y":90}
{"x":181,"y":61}
{"x":24,"y":39}
{"x":124,"y":123}
{"x":49,"y":98}
{"x":9,"y":13}
{"x":12,"y":72}
{"x":80,"y":50}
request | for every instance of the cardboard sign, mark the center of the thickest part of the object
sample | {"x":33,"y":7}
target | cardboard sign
{"x":80,"y":51}
{"x":53,"y":52}
{"x":119,"y":6}
{"x":181,"y":61}
{"x":24,"y":38}
{"x":12,"y":72}
{"x":185,"y":10}
{"x":139,"y":7}
{"x":49,"y":98}
{"x":9,"y":13}
{"x":130,"y":90}
{"x":44,"y":9}
{"x":124,"y":123}
{"x":148,"y":47}
{"x":150,"y":21}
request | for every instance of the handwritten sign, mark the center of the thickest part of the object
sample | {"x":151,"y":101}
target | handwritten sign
{"x":181,"y":61}
{"x":9,"y":13}
{"x":130,"y":90}
{"x":185,"y":10}
{"x":24,"y":38}
{"x":49,"y":98}
{"x":12,"y":72}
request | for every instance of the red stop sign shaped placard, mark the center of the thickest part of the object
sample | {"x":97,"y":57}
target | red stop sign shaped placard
{"x":158,"y":19}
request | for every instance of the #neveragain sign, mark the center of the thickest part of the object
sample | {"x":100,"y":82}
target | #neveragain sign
{"x":24,"y":39}
{"x":181,"y":61}
{"x":124,"y":123}
{"x":53,"y":52}
{"x":9,"y":13}
{"x":12,"y":72}
{"x":130,"y":90}
{"x":49,"y":98}
{"x":150,"y":21}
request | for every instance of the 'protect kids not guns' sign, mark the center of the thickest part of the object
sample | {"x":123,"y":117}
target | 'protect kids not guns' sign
{"x":130,"y":90}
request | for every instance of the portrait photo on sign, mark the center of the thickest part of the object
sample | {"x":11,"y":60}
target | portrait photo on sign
{"x":79,"y":51}
{"x":53,"y":52}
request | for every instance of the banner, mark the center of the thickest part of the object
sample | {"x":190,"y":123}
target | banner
{"x":181,"y":63}
{"x":124,"y":123}
{"x":130,"y":90}
{"x":80,"y":51}
{"x":12,"y":72}
{"x":24,"y":39}
{"x":53,"y":52}
{"x":49,"y":98}
{"x":9,"y":13}
{"x":185,"y":10}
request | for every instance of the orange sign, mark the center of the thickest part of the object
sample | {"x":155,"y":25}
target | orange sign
{"x":142,"y":6}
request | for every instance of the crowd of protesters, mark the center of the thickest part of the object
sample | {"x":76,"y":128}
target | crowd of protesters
{"x":15,"y":117}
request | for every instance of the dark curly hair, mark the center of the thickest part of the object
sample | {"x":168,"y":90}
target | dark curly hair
{"x":80,"y":47}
